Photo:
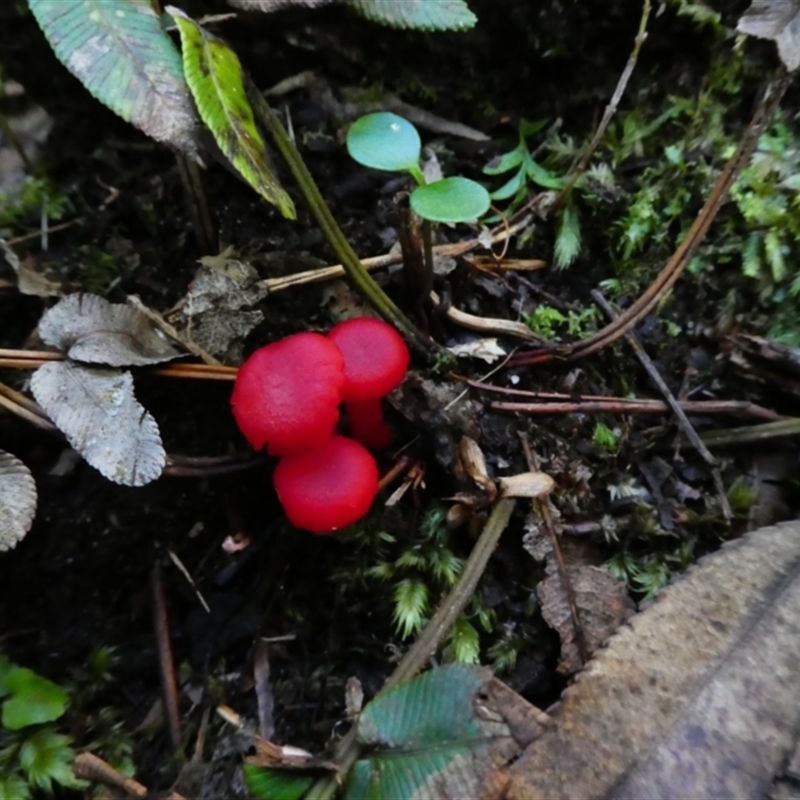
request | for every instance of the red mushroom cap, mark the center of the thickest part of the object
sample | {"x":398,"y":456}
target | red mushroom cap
{"x":375,"y":357}
{"x":327,"y":489}
{"x":287,"y":394}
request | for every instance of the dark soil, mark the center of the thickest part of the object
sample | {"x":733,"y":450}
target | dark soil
{"x":82,"y":577}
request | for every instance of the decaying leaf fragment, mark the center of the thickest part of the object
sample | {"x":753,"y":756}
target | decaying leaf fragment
{"x":102,"y":420}
{"x":17,"y":500}
{"x":778,"y":20}
{"x":90,"y":329}
{"x":602,"y":602}
{"x":698,"y":696}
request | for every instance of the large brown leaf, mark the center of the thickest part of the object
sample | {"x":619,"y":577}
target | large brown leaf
{"x":699,"y":696}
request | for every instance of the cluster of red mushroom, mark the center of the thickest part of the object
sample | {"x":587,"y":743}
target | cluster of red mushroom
{"x":286,"y":398}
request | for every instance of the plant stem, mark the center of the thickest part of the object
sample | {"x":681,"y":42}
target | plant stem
{"x":430,"y":638}
{"x":362,"y":280}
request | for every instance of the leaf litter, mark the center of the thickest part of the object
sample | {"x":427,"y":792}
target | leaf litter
{"x":17,"y":501}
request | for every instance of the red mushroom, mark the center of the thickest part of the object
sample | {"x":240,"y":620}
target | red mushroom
{"x":329,"y":488}
{"x":287,"y":394}
{"x":375,"y":362}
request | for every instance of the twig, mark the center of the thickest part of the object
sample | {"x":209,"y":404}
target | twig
{"x":264,"y":696}
{"x":89,"y":767}
{"x":487,"y":325}
{"x":169,"y":689}
{"x":161,"y":323}
{"x":543,"y":510}
{"x":430,"y":638}
{"x":26,"y":408}
{"x":609,"y":112}
{"x":687,"y":248}
{"x":751,"y":433}
{"x":680,"y":414}
{"x":622,"y":405}
{"x":61,"y":227}
{"x":189,"y":579}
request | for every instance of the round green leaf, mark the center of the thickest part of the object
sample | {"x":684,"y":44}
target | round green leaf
{"x":385,"y":141}
{"x":450,"y":200}
{"x":33,"y":700}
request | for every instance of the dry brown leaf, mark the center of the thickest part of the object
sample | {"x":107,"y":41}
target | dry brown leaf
{"x":17,"y":500}
{"x":29,"y":281}
{"x":102,"y":420}
{"x":90,"y":329}
{"x":603,"y":605}
{"x":778,"y":20}
{"x":696,"y":697}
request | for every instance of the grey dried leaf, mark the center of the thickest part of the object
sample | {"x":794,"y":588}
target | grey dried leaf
{"x":230,"y":284}
{"x":222,"y":333}
{"x":90,"y":329}
{"x":695,"y":697}
{"x":98,"y":413}
{"x":778,"y":20}
{"x":17,"y":500}
{"x":29,"y":281}
{"x":603,"y":605}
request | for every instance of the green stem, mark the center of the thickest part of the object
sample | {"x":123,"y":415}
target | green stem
{"x":429,"y":640}
{"x":362,"y":280}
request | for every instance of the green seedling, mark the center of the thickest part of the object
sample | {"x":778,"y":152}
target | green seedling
{"x":33,"y":753}
{"x":388,"y":142}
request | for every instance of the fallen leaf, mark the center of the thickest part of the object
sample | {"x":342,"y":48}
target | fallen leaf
{"x":102,"y":420}
{"x":90,"y":329}
{"x":696,"y":697}
{"x":29,"y":281}
{"x":778,"y":20}
{"x":603,"y":605}
{"x":17,"y":500}
{"x":487,"y":350}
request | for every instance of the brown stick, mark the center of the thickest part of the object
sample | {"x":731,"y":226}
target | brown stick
{"x":89,"y":767}
{"x":169,"y":688}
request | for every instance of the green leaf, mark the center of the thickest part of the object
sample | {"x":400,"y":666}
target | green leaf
{"x":46,"y":757}
{"x":275,"y":784}
{"x":416,"y":730}
{"x":510,"y":187}
{"x":568,"y":237}
{"x":429,"y":15}
{"x":411,"y":603}
{"x":450,"y":200}
{"x":121,"y":54}
{"x":6,"y":668}
{"x":33,"y":700}
{"x":385,"y":141}
{"x":13,"y":787}
{"x":465,"y":641}
{"x":215,"y":77}
{"x":505,"y":162}
{"x":541,"y":176}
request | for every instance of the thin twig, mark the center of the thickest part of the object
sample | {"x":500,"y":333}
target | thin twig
{"x":170,"y":331}
{"x":609,"y":112}
{"x":622,"y":405}
{"x":169,"y":687}
{"x":751,"y":433}
{"x":543,"y":511}
{"x":89,"y":767}
{"x":675,"y":406}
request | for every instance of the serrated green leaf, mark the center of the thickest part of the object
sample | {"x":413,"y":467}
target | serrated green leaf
{"x":411,"y":603}
{"x":416,"y":730}
{"x":121,"y":54}
{"x":385,"y":141}
{"x":33,"y":700}
{"x":568,"y":237}
{"x":465,"y":641}
{"x":429,"y":15}
{"x":274,"y":784}
{"x":450,"y":200}
{"x":216,"y":80}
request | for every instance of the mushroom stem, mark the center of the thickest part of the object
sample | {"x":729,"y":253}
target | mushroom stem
{"x":366,"y":423}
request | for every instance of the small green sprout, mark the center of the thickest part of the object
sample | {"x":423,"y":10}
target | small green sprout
{"x":605,"y":438}
{"x":386,"y":141}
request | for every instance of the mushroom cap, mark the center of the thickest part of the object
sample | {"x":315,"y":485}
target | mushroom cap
{"x":375,"y":357}
{"x":329,"y":488}
{"x":287,"y":394}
